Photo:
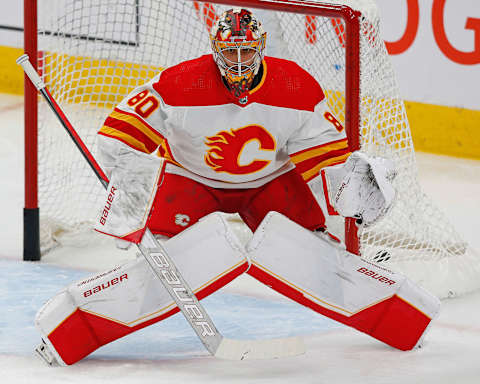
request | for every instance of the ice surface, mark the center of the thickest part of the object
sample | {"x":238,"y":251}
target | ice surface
{"x":168,"y":352}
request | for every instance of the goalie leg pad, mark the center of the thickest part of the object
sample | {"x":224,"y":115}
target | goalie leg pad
{"x":317,"y":273}
{"x":105,"y":307}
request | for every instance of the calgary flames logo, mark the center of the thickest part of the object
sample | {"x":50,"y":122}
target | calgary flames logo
{"x":226,"y":147}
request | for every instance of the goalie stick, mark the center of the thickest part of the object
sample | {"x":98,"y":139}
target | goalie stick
{"x":162,"y":265}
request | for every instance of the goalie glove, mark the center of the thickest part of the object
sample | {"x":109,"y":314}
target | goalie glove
{"x":361,"y":187}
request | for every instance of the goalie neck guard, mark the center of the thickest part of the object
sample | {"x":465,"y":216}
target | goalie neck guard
{"x":238,"y":43}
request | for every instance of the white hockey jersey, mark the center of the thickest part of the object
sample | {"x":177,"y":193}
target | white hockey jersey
{"x":189,"y":117}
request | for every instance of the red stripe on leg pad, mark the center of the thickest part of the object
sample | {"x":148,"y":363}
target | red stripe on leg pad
{"x":74,"y":331}
{"x":399,"y":324}
{"x":392,"y":321}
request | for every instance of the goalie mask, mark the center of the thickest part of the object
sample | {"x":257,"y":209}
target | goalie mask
{"x":238,"y":43}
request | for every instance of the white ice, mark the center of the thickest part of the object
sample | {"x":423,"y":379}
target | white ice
{"x":168,"y":352}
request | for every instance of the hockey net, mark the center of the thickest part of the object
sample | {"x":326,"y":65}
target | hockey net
{"x":93,"y":52}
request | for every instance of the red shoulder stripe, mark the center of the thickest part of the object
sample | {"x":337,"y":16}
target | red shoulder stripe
{"x":124,"y":139}
{"x":193,"y":83}
{"x":132,"y":131}
{"x":138,"y":122}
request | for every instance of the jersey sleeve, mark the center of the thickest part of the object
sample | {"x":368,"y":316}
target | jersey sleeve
{"x":319,"y":142}
{"x":137,"y":121}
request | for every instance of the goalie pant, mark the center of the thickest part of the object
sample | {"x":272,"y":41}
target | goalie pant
{"x":292,"y":260}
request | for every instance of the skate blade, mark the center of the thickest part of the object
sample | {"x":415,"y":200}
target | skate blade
{"x":42,"y":350}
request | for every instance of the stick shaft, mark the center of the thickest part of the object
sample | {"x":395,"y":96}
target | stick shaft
{"x":24,"y":62}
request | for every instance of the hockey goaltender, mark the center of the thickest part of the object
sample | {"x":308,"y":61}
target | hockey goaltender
{"x":238,"y":132}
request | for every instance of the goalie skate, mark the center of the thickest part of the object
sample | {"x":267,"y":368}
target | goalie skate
{"x":43,"y":351}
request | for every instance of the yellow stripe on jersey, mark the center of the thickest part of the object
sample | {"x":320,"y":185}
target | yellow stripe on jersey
{"x":264,"y":76}
{"x":319,"y":151}
{"x":307,"y":175}
{"x":127,"y":139}
{"x":137,"y":123}
{"x":164,"y":151}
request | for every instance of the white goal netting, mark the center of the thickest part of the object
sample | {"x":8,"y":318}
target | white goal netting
{"x":93,"y":52}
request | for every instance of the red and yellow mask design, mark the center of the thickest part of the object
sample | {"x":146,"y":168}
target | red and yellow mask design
{"x":238,"y":43}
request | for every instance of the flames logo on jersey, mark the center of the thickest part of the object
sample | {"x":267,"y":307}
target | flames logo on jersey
{"x":226,"y":147}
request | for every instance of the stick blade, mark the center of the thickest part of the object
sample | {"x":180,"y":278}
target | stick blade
{"x":260,"y":349}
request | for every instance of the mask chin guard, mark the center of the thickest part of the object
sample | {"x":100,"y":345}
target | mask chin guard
{"x":239,"y":90}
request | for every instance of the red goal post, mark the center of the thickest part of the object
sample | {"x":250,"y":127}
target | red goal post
{"x":91,"y":54}
{"x":31,"y":218}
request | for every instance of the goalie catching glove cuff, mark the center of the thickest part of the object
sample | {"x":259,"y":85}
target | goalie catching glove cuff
{"x":362,"y":187}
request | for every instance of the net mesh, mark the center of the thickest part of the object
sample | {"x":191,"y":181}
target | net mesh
{"x":93,"y":52}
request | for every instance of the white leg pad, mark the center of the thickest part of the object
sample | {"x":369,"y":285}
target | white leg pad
{"x":102,"y":308}
{"x":319,"y":274}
